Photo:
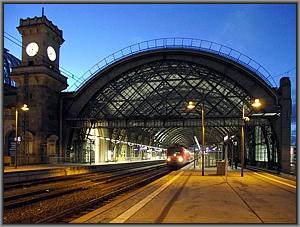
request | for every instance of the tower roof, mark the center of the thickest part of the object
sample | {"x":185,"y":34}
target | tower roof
{"x":9,"y":61}
{"x":38,"y":21}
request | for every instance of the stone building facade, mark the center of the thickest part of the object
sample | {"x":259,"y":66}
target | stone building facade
{"x":39,"y":84}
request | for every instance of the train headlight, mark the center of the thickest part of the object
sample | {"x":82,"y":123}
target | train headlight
{"x":168,"y":159}
{"x":180,"y":159}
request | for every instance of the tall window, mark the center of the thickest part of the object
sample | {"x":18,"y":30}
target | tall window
{"x":261,"y":151}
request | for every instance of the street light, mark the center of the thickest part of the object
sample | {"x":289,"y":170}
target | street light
{"x":23,"y":108}
{"x":191,"y":105}
{"x":226,"y":141}
{"x":256,"y":104}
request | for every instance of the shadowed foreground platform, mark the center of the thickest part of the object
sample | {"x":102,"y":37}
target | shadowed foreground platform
{"x":184,"y":196}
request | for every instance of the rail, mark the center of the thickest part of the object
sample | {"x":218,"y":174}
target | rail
{"x":72,"y":194}
{"x":186,"y":43}
{"x":67,"y":215}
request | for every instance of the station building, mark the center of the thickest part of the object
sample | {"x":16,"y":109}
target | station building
{"x":134,"y":107}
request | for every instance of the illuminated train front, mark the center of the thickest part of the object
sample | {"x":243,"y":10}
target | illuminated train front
{"x":178,"y":156}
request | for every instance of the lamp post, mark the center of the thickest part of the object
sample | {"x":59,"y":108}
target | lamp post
{"x":233,"y":144}
{"x":90,"y":152}
{"x":256,"y":104}
{"x":203,"y":136}
{"x":23,"y":108}
{"x":191,"y":106}
{"x":226,"y":141}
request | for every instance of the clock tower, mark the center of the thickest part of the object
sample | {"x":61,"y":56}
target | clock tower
{"x":41,"y":40}
{"x":39,"y":84}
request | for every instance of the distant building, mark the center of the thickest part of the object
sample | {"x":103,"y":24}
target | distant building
{"x":9,"y":61}
{"x":9,"y":103}
{"x":134,"y":98}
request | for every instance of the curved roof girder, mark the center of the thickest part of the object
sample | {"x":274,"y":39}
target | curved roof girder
{"x":252,"y":83}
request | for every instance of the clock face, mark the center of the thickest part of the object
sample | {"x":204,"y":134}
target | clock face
{"x":32,"y":49}
{"x":51,"y":53}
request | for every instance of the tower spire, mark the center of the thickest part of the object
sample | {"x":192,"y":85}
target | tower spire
{"x":42,"y":11}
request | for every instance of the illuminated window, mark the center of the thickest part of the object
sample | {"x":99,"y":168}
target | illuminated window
{"x":261,"y":152}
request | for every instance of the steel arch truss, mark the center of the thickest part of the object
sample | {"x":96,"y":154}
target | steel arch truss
{"x":161,"y":90}
{"x":155,"y":95}
{"x":148,"y":104}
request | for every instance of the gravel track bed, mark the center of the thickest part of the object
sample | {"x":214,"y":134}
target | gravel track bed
{"x":33,"y":213}
{"x":52,"y":185}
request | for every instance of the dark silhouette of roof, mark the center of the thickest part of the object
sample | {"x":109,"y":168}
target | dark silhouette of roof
{"x":9,"y":61}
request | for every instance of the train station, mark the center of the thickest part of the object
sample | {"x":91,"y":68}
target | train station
{"x":125,"y":114}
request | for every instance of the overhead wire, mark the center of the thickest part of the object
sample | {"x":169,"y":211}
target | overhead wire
{"x":286,"y":72}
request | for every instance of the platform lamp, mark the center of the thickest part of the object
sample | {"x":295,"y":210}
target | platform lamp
{"x":23,"y":108}
{"x":256,"y":104}
{"x":191,"y":105}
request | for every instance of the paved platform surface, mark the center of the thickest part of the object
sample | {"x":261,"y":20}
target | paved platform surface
{"x":21,"y":168}
{"x":185,"y":196}
{"x":10,"y":169}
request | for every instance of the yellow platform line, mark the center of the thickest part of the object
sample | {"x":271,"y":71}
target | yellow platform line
{"x":290,"y":185}
{"x":127,"y":214}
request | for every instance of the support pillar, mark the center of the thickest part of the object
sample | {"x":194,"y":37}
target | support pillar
{"x":285,"y":124}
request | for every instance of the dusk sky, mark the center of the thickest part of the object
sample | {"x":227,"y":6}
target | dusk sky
{"x":264,"y":32}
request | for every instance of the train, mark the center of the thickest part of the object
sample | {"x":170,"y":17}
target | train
{"x":178,"y":156}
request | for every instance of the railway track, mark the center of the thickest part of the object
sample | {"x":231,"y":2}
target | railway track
{"x":105,"y":187}
{"x":30,"y":183}
{"x":68,"y":215}
{"x":86,"y":182}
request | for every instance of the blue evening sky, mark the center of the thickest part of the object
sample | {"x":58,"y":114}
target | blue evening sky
{"x":264,"y":32}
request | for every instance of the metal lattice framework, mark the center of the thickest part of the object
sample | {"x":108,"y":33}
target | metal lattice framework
{"x":162,"y":89}
{"x":155,"y":95}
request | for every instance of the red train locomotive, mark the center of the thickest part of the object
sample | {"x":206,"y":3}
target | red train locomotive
{"x":178,"y":156}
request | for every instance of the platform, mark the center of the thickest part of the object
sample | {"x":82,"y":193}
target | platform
{"x":41,"y":171}
{"x":185,"y":196}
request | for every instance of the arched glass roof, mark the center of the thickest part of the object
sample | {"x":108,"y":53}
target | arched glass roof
{"x":9,"y":61}
{"x":161,"y":90}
